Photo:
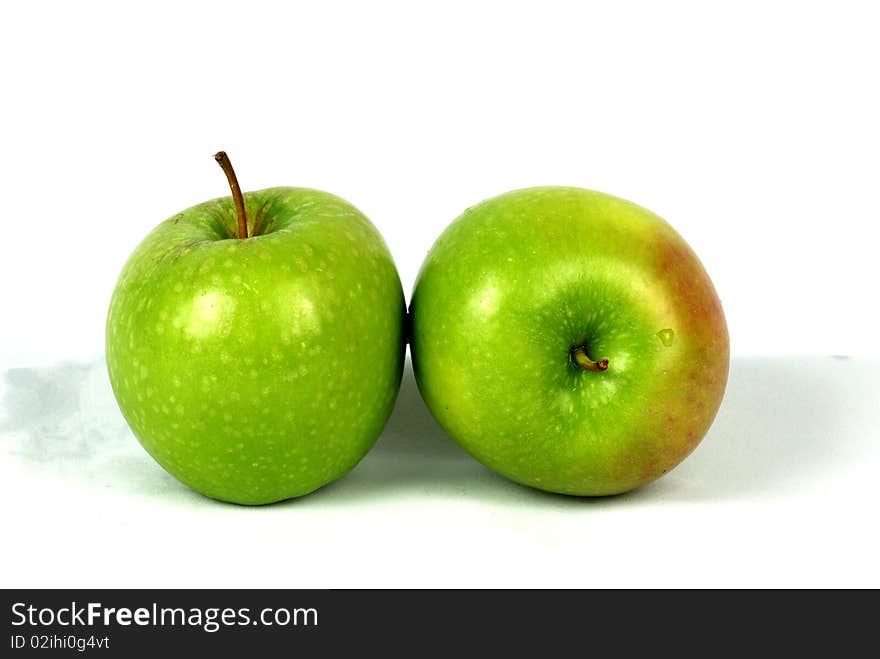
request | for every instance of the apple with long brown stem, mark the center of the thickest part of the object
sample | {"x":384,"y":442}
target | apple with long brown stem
{"x":255,"y":342}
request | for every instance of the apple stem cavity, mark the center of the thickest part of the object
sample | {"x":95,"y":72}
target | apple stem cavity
{"x":579,"y":355}
{"x":224,"y":162}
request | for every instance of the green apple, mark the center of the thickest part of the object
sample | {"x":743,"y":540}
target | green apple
{"x":569,"y":340}
{"x":255,"y":343}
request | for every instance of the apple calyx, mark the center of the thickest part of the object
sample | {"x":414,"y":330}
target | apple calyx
{"x":225,"y":164}
{"x":579,"y":356}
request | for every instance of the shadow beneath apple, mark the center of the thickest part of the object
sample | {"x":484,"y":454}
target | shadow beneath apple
{"x":784,"y":422}
{"x":778,"y":427}
{"x":414,"y":455}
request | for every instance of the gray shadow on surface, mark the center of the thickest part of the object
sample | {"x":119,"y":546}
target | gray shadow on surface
{"x":783,"y":422}
{"x":33,"y":396}
{"x":63,"y":420}
{"x":415,"y":454}
{"x":779,"y":425}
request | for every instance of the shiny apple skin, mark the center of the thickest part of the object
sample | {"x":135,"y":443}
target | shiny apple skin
{"x":517,"y":282}
{"x":261,"y":369}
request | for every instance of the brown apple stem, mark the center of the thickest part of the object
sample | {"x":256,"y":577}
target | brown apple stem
{"x":580,"y":357}
{"x":224,"y":162}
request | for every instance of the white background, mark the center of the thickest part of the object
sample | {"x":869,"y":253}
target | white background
{"x":751,"y":127}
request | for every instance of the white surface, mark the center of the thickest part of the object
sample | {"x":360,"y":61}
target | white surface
{"x":782,"y":492}
{"x":752,"y":128}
